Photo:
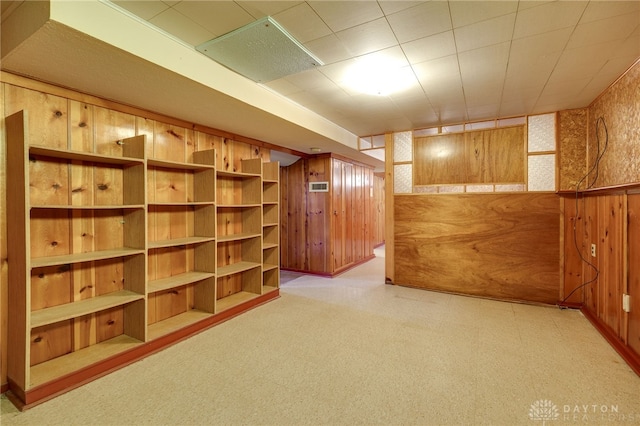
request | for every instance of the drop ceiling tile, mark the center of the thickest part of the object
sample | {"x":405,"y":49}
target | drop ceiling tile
{"x":217,"y":17}
{"x":611,"y":29}
{"x":548,"y":17}
{"x":438,"y":70}
{"x":520,"y":106}
{"x":540,"y":46}
{"x":562,"y":91}
{"x":452,"y":113}
{"x":181,"y":27}
{"x":469,"y":12}
{"x":420,"y":21}
{"x":431,"y":47}
{"x":630,"y":47}
{"x":329,"y":49}
{"x":513,"y":92}
{"x":487,"y":63}
{"x":483,"y":93}
{"x":367,"y":38}
{"x":393,"y":6}
{"x":340,"y":15}
{"x":337,"y":71}
{"x":260,"y":9}
{"x":584,"y":62}
{"x":283,"y":87}
{"x":597,"y":10}
{"x":485,"y":33}
{"x":144,"y":9}
{"x":483,"y":112}
{"x":303,"y":23}
{"x":308,"y":80}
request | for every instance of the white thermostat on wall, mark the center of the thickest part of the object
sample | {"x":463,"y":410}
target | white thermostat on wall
{"x":318,"y":186}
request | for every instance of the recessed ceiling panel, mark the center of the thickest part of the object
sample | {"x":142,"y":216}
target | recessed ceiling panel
{"x":262,"y":51}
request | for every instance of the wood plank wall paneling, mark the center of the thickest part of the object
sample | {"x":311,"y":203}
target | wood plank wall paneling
{"x":590,"y":269}
{"x":326,"y":232}
{"x":74,"y":122}
{"x":573,"y":250}
{"x":633,"y":286}
{"x":4,"y":271}
{"x":609,"y":252}
{"x":318,"y":216}
{"x":501,"y":246}
{"x":379,"y":210}
{"x":293,"y":203}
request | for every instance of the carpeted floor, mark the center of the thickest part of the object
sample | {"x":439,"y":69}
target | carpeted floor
{"x":352,"y":350}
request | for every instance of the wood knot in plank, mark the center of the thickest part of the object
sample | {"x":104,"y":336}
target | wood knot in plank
{"x":174,"y":134}
{"x":82,"y":124}
{"x":58,"y":114}
{"x":76,"y":190}
{"x":103,"y":186}
{"x":37,"y":339}
{"x":111,"y":322}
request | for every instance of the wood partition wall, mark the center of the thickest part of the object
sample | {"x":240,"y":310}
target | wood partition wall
{"x":502,"y":246}
{"x":329,"y":232}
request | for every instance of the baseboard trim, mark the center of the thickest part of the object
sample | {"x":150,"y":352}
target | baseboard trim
{"x":46,"y":391}
{"x":628,"y":354}
{"x":334,"y":274}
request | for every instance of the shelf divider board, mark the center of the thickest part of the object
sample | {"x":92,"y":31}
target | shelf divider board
{"x":19,"y":292}
{"x":234,"y":300}
{"x":177,"y":281}
{"x":84,"y":156}
{"x":270,"y":227}
{"x":175,"y":323}
{"x":268,"y":267}
{"x":237,"y":237}
{"x":101,"y":207}
{"x":179,"y":242}
{"x":134,"y":146}
{"x":166,"y":164}
{"x":82,"y":307}
{"x":39,"y":262}
{"x":236,"y":268}
{"x":57,"y":367}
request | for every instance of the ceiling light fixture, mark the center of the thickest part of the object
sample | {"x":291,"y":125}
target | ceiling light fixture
{"x":376,"y":75}
{"x":262,"y":51}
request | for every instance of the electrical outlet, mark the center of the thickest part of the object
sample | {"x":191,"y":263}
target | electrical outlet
{"x":626,"y":303}
{"x":593,"y":250}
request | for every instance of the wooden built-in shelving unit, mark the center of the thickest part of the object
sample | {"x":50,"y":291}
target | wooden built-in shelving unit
{"x":113,"y":252}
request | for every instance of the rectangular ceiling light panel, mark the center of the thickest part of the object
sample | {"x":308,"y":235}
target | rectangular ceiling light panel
{"x":262,"y":51}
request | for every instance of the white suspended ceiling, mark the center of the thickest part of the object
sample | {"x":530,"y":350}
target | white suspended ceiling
{"x":467,"y":61}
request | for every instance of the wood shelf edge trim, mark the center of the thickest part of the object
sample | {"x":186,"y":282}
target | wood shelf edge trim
{"x":99,"y":369}
{"x":622,"y":188}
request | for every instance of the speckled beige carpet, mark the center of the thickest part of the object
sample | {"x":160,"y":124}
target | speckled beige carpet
{"x":352,"y":350}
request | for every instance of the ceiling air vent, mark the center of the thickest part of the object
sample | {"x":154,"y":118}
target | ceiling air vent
{"x":318,"y":186}
{"x":262,"y":51}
